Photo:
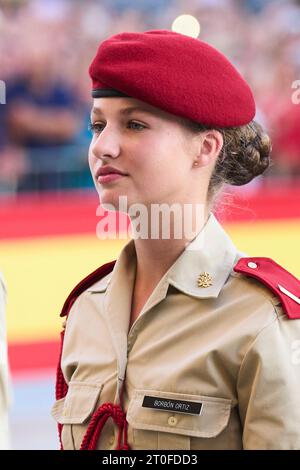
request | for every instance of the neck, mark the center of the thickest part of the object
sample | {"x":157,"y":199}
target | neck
{"x":156,"y":255}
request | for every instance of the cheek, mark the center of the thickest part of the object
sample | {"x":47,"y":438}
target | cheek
{"x":150,"y":155}
{"x":165,"y":159}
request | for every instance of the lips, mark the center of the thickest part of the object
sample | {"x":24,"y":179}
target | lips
{"x":109,"y":170}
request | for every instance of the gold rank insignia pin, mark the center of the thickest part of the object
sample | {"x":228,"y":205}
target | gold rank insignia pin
{"x":204,"y":280}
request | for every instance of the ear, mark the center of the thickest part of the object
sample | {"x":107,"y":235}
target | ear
{"x":211,"y":144}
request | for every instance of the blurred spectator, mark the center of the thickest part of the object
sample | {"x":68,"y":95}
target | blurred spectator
{"x":14,"y":167}
{"x":42,"y":113}
{"x":286,"y":141}
{"x":12,"y":159}
{"x":47,"y":45}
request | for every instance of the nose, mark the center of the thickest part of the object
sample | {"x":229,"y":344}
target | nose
{"x":107,"y":144}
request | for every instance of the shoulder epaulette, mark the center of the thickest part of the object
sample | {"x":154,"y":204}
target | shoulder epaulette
{"x":87,"y":282}
{"x":282,"y":283}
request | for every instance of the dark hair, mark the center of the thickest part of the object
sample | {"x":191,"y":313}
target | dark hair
{"x":245,"y":154}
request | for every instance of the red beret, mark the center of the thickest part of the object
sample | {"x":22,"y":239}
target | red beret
{"x":174,"y":72}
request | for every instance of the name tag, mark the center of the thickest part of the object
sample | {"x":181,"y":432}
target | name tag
{"x":179,"y":406}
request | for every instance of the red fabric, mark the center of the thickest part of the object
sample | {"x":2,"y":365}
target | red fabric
{"x":271,"y":274}
{"x":179,"y":74}
{"x":106,"y":410}
{"x":286,"y":135}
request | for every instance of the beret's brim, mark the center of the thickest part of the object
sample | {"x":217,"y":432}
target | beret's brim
{"x":106,"y":92}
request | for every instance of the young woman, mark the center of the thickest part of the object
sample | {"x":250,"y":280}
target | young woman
{"x":183,"y":342}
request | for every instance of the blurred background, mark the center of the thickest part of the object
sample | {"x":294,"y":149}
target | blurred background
{"x":47,"y":203}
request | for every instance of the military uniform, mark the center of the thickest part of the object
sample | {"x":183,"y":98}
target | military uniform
{"x":4,"y":379}
{"x":212,"y":361}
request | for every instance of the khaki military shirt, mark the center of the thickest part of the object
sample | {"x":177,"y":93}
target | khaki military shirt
{"x":227,"y":349}
{"x":4,"y":378}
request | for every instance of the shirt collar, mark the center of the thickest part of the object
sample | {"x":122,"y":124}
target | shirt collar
{"x":211,"y":252}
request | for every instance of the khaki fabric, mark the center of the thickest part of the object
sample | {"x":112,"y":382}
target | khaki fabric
{"x":228,"y":346}
{"x":4,"y":377}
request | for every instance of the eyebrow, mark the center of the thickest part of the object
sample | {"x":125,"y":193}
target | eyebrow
{"x":125,"y":111}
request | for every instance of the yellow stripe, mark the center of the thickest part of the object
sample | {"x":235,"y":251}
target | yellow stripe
{"x":278,"y":240}
{"x":40,"y":273}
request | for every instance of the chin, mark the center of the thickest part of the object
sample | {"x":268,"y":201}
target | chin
{"x":114,"y":201}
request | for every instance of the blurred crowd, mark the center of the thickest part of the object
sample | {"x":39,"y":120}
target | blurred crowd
{"x":46,"y":47}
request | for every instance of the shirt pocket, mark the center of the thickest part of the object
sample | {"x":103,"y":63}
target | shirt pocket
{"x":172,"y":429}
{"x":75,"y":410}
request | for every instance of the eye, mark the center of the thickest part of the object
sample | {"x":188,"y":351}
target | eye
{"x":97,"y":128}
{"x":141,"y":126}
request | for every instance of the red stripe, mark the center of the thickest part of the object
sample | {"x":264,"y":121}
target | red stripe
{"x":33,"y":356}
{"x":75,"y":213}
{"x":34,"y":216}
{"x":278,"y":202}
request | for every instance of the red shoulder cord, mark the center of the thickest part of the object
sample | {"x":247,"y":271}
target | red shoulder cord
{"x":99,"y":419}
{"x":106,"y":410}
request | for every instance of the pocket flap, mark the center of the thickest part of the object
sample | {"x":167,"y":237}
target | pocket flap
{"x":208,"y":416}
{"x":79,"y":403}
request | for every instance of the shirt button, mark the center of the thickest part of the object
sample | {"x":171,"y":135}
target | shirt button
{"x":112,"y":440}
{"x":172,"y":421}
